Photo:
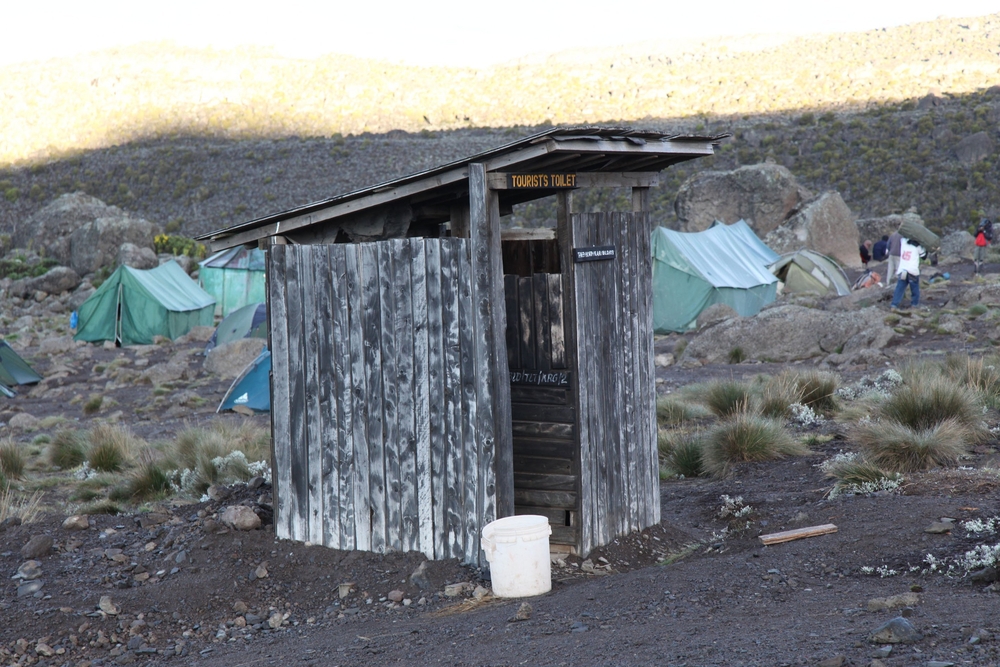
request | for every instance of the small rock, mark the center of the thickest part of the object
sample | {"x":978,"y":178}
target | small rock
{"x":261,"y":571}
{"x":523,"y":613}
{"x":883,"y":652}
{"x":219,"y":492}
{"x":240,"y":517}
{"x":240,"y":607}
{"x":10,"y":522}
{"x":454,"y":590}
{"x":420,"y":577}
{"x":480,"y":592}
{"x":395,"y":596}
{"x":938,"y":528}
{"x":255,"y":483}
{"x":835,"y":661}
{"x":893,"y":602}
{"x":44,"y":650}
{"x":211,"y":526}
{"x":275,"y":620}
{"x":663,"y":360}
{"x":939,"y":663}
{"x":985,"y":575}
{"x":579,"y":626}
{"x":29,"y":588}
{"x":345,"y":589}
{"x":30,"y":569}
{"x":895,"y":631}
{"x":76,"y":522}
{"x":37,"y":546}
{"x":108,"y":607}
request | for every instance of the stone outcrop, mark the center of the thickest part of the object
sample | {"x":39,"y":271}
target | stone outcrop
{"x":824,"y":224}
{"x":782,"y":334}
{"x":974,"y":148}
{"x":875,"y":228}
{"x":56,"y":280}
{"x":763,"y":195}
{"x":97,"y":244}
{"x":138,"y":257}
{"x":957,"y":245}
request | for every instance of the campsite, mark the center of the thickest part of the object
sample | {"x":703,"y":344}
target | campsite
{"x":570,"y":359}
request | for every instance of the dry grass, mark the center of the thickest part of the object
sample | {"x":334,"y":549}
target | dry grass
{"x":747,"y":437}
{"x":726,"y":398}
{"x":681,"y":453}
{"x":112,"y":447}
{"x":899,"y":447}
{"x":67,"y":449}
{"x":777,"y":394}
{"x":922,"y":405}
{"x":12,"y":460}
{"x":26,"y":507}
{"x":672,"y":410}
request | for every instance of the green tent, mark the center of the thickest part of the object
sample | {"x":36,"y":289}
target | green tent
{"x":133,"y":305}
{"x":13,"y":369}
{"x":722,"y":264}
{"x":808,"y":271}
{"x":235,"y":277}
{"x":250,"y":321}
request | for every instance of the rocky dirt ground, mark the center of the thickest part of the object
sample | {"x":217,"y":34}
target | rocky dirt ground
{"x":172,"y":585}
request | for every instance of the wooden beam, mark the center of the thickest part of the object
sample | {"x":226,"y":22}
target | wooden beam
{"x":460,"y":220}
{"x":798,"y":534}
{"x":586,"y":179}
{"x":538,"y":234}
{"x":612,"y":147}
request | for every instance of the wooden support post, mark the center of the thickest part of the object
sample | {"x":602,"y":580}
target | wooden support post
{"x":640,"y":200}
{"x":489,"y":306}
{"x":460,"y":221}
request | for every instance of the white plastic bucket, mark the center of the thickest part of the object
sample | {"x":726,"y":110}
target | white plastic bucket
{"x":517,"y":548}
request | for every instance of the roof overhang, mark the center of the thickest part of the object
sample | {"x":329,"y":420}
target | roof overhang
{"x":596,"y":156}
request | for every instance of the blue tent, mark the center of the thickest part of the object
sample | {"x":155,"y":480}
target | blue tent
{"x":252,"y":389}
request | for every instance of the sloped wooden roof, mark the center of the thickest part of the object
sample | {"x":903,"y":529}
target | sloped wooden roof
{"x":430,"y":193}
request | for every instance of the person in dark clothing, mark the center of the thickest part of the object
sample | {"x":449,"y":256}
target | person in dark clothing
{"x":866,"y":255}
{"x":880,"y":252}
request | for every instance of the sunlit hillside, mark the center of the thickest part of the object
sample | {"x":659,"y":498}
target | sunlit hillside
{"x":108,"y":98}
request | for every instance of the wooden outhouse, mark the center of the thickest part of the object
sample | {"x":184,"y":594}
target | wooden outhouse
{"x":432,"y":371}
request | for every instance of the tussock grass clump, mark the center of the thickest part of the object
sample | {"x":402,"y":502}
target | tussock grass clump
{"x":68,"y":449}
{"x":222,"y":452}
{"x":728,"y":397}
{"x":818,"y":389}
{"x":671,"y":410}
{"x":747,"y":437}
{"x":102,"y":507}
{"x":777,"y":395}
{"x":93,"y":404}
{"x":681,"y":454}
{"x":12,"y":461}
{"x":899,"y":447}
{"x":980,"y":375}
{"x":924,"y":405}
{"x":149,"y":483}
{"x":857,"y":472}
{"x":112,"y":447}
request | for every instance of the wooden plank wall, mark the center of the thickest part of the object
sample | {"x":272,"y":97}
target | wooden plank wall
{"x":619,"y":481}
{"x":546,"y":461}
{"x":374,"y":397}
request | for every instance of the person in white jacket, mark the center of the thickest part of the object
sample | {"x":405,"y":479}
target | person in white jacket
{"x":908,"y":273}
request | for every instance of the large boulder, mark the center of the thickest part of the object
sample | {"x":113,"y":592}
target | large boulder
{"x":138,"y":257}
{"x":97,"y":244}
{"x":762,"y":194}
{"x":824,"y":224}
{"x":974,"y":148}
{"x":875,"y":228}
{"x":48,"y":231}
{"x":56,"y":280}
{"x":957,"y":245}
{"x":782,"y":334}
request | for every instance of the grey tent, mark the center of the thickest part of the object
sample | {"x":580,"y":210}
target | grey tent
{"x":14,"y":370}
{"x":808,"y":271}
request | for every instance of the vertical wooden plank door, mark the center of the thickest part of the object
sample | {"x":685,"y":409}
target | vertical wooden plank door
{"x":376,"y":392}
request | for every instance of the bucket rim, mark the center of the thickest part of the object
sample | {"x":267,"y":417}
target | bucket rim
{"x":520,"y":524}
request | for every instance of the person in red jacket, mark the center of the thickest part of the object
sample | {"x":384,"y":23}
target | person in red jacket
{"x":984,"y":234}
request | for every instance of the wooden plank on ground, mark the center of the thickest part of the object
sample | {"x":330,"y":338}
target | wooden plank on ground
{"x":798,"y":534}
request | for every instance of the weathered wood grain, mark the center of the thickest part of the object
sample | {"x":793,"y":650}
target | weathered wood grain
{"x":340,"y":334}
{"x":797,"y":534}
{"x":440,"y":417}
{"x":405,"y":358}
{"x":423,"y":495}
{"x":372,"y":308}
{"x":280,"y":385}
{"x":359,"y":398}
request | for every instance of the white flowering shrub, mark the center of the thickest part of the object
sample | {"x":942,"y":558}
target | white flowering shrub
{"x":733,"y":508}
{"x":984,"y":555}
{"x":868,"y":388}
{"x":804,"y":415}
{"x":838,"y":460}
{"x":882,"y":571}
{"x":230,"y":468}
{"x":85,"y":472}
{"x":883,"y":486}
